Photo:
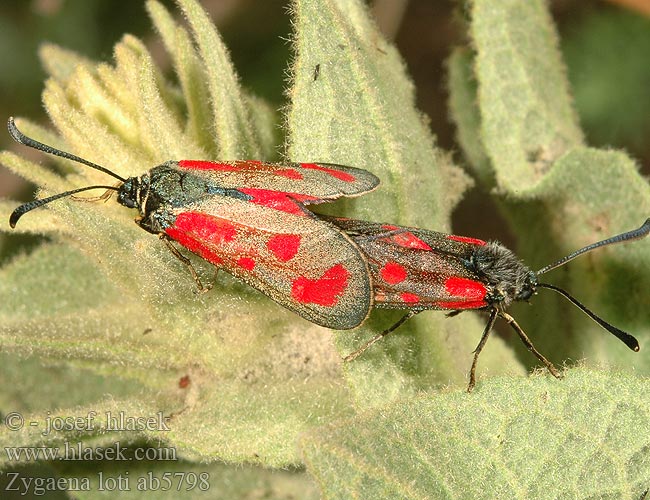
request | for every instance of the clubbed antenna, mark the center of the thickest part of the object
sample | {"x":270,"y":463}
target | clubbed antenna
{"x":635,"y":234}
{"x":21,"y":138}
{"x":624,"y":337}
{"x":31,"y":205}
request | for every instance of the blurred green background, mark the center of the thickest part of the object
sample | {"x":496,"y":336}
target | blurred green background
{"x":606,"y":47}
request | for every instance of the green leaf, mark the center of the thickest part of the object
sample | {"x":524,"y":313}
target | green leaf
{"x":360,"y":110}
{"x":61,"y":63}
{"x":160,"y":126}
{"x":194,"y":80}
{"x":27,"y":389}
{"x":606,"y":53}
{"x":190,"y":72}
{"x":583,"y":437}
{"x":29,"y":170}
{"x":96,"y":425}
{"x":233,"y":133}
{"x":466,"y":114}
{"x":526,"y":111}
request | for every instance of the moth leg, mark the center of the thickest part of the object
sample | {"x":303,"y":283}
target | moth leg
{"x":451,"y":314}
{"x":377,"y":338}
{"x":479,"y":348}
{"x":529,"y":345}
{"x":103,"y":197}
{"x":187,"y":262}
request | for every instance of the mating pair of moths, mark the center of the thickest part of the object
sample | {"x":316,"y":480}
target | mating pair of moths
{"x":249,"y":218}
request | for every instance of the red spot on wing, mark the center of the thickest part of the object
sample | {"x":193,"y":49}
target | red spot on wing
{"x":212,"y":229}
{"x":410,"y":298}
{"x":393,"y":273}
{"x":405,"y":238}
{"x":323,"y":291}
{"x":195,"y":231}
{"x":209,"y":165}
{"x":290,"y":173}
{"x":340,"y":175}
{"x":278,"y":200}
{"x":239,"y":166}
{"x":466,"y":288}
{"x":246,"y":263}
{"x":284,"y":246}
{"x":461,"y":304}
{"x":465,"y":239}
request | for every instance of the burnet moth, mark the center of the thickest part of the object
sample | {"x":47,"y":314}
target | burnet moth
{"x":416,"y":269}
{"x":249,"y":218}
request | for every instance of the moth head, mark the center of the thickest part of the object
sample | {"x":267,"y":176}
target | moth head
{"x":129,"y":193}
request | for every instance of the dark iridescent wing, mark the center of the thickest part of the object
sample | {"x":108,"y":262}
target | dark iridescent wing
{"x":314,"y":182}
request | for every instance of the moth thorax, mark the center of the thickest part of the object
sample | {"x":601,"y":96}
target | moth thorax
{"x":508,"y":278}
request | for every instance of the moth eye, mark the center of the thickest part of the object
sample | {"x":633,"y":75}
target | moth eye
{"x":127,"y":199}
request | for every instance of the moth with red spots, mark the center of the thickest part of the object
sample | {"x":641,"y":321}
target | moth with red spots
{"x":249,"y":218}
{"x":416,"y":269}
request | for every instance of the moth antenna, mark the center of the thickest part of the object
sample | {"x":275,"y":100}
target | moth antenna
{"x":624,"y":337}
{"x":31,"y":205}
{"x":635,"y":234}
{"x":21,"y":138}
